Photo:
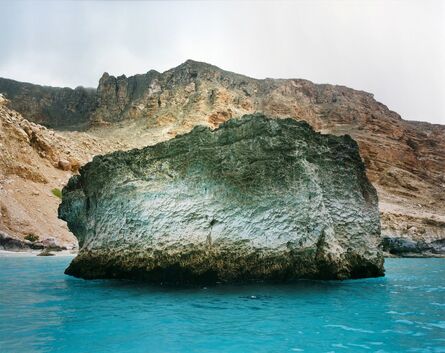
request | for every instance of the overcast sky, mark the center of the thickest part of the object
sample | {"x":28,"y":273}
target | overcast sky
{"x":394,"y":49}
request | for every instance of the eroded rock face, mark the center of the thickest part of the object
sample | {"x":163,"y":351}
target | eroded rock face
{"x":35,"y":160}
{"x":256,"y":199}
{"x":55,"y":107}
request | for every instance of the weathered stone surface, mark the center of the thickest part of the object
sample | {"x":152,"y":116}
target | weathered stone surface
{"x":406,"y":247}
{"x":55,"y":107}
{"x":256,"y":199}
{"x":12,"y":243}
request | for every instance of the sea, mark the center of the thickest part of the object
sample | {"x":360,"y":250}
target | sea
{"x":44,"y":310}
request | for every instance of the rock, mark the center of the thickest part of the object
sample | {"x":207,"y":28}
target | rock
{"x":48,"y":242}
{"x":256,"y":199}
{"x":52,"y":244}
{"x":405,"y":234}
{"x":401,"y":246}
{"x":64,"y":164}
{"x":438,"y":246}
{"x":55,"y":107}
{"x":12,"y":243}
{"x":46,"y":252}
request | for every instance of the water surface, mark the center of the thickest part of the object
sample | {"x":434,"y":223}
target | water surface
{"x":43,"y":310}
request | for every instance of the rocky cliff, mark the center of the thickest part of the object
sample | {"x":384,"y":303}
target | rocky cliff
{"x":197,"y":93}
{"x":54,"y":107}
{"x":34,"y":162}
{"x":255,"y":199}
{"x":405,"y":160}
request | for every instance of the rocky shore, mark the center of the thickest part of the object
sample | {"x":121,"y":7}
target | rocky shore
{"x":47,"y":247}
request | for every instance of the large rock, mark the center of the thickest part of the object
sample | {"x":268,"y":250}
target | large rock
{"x":12,"y":243}
{"x":256,"y":199}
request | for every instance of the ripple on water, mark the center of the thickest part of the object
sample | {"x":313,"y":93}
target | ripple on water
{"x":43,"y":310}
{"x":347,"y":328}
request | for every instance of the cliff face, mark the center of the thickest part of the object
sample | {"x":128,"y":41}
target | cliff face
{"x":197,"y":93}
{"x":34,"y":160}
{"x":61,"y":108}
{"x":256,"y":199}
{"x":405,"y":160}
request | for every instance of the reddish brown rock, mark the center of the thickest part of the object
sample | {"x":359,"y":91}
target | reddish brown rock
{"x":64,"y":164}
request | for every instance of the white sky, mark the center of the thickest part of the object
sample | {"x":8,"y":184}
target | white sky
{"x":394,"y":49}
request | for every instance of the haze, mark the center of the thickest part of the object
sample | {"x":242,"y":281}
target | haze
{"x":394,"y":49}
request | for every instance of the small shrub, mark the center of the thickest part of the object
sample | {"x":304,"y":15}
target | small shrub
{"x":32,"y":237}
{"x":57,"y":192}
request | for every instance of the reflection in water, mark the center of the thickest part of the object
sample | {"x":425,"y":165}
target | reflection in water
{"x":43,"y":310}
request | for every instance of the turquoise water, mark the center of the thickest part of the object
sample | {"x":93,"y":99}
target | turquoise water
{"x":42,"y":310}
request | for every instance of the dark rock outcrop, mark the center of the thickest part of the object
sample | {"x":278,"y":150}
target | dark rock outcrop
{"x":120,"y":98}
{"x":256,"y":199}
{"x":11,"y":243}
{"x":55,"y":107}
{"x":407,"y":247}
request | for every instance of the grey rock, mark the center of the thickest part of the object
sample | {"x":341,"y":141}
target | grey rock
{"x":12,"y":243}
{"x":55,"y":107}
{"x":256,"y":199}
{"x":401,"y":246}
{"x":45,"y":252}
{"x":438,"y":246}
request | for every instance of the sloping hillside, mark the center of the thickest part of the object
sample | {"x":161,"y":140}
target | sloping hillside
{"x":34,"y":161}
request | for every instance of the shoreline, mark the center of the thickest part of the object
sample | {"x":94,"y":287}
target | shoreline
{"x":8,"y":253}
